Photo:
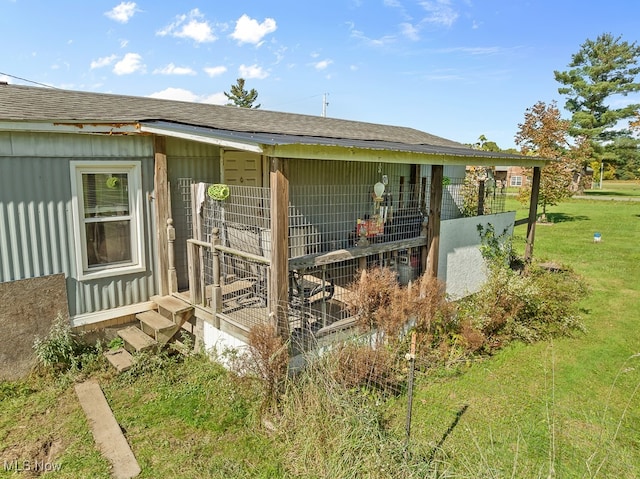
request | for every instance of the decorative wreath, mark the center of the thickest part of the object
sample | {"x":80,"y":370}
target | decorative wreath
{"x":218,"y":192}
{"x":112,"y":182}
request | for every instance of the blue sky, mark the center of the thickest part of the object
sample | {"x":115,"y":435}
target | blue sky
{"x":454,"y":68}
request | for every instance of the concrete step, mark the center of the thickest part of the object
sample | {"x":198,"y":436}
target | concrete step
{"x":135,"y":340}
{"x":120,"y":359}
{"x":157,"y":326}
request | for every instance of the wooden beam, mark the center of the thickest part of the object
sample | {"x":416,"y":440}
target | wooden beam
{"x":533,"y":214}
{"x":433,"y":226}
{"x":279,"y":297}
{"x":162,"y":211}
{"x":358,"y":252}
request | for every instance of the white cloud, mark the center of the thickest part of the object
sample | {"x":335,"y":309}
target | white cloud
{"x":216,"y":99}
{"x":124,"y":43}
{"x":374,"y":42}
{"x":410,"y":31}
{"x":252,"y":71}
{"x":179,"y":94}
{"x":131,"y":63}
{"x":190,"y":26}
{"x":249,"y":30}
{"x":440,"y":12}
{"x":215,"y":71}
{"x":123,"y":12}
{"x":171,"y":69}
{"x":322,"y":65}
{"x":103,"y":62}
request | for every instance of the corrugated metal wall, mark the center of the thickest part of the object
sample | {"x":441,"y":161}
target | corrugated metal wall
{"x":36,"y":222}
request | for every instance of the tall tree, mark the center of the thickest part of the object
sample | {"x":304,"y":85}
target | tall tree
{"x":601,"y":69}
{"x":240,"y":97}
{"x":544,"y":134}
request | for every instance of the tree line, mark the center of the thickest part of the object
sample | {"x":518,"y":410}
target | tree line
{"x":599,"y":139}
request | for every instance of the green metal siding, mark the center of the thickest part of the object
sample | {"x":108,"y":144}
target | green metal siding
{"x":36,"y":219}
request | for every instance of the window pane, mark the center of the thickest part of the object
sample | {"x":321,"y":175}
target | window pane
{"x":105,"y":194}
{"x":108,"y":242}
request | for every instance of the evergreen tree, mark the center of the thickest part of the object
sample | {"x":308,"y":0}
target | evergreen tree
{"x":601,"y":69}
{"x":240,"y":97}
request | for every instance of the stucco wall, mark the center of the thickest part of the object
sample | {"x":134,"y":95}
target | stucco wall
{"x":461,"y":264}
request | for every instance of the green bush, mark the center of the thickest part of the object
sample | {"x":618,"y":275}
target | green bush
{"x":527,"y":304}
{"x":62,"y":350}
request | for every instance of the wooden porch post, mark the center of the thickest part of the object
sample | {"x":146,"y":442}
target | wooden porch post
{"x":279,"y":291}
{"x":162,"y":211}
{"x":171,"y":257}
{"x":433,"y":226}
{"x":216,"y":289}
{"x":533,"y":214}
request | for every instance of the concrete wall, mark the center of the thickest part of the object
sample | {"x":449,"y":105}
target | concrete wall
{"x":461,"y":264}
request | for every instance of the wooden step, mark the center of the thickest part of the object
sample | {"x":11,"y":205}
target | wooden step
{"x":135,"y":340}
{"x":173,"y":305}
{"x":157,"y":326}
{"x":120,"y":359}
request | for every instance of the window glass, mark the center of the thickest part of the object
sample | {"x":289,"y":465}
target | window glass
{"x":108,"y":242}
{"x":108,"y":207}
{"x":105,"y":194}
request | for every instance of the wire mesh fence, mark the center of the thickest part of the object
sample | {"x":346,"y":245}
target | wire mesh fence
{"x":321,"y":219}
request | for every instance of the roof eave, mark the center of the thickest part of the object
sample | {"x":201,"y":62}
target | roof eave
{"x":66,"y":126}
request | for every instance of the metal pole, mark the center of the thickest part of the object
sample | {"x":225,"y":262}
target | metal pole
{"x":412,"y":362}
{"x":601,"y":172}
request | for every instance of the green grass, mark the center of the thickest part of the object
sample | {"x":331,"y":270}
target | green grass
{"x":615,"y":188}
{"x":564,"y":408}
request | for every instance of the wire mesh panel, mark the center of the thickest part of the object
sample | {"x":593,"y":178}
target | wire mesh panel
{"x":461,"y":197}
{"x":327,"y":218}
{"x":184,"y":185}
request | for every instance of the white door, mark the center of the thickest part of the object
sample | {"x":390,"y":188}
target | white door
{"x":242,"y":168}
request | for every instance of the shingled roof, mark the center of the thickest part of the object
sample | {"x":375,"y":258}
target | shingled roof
{"x":272,"y":133}
{"x":22,"y":103}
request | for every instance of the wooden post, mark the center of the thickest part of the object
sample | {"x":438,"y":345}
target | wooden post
{"x":433,"y":226}
{"x":533,"y":214}
{"x":162,"y":213}
{"x":279,"y":291}
{"x":216,"y":289}
{"x":195,"y":276}
{"x":480,"y":197}
{"x":171,"y":256}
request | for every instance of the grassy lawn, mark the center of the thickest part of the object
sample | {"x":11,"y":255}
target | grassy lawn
{"x":563,"y":408}
{"x":615,"y":188}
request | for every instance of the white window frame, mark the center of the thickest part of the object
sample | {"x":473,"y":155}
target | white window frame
{"x":518,"y":181}
{"x":133,"y":170}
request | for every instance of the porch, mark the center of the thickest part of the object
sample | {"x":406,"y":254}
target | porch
{"x":332,"y":233}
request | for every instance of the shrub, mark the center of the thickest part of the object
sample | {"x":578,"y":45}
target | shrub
{"x":528,"y":304}
{"x":268,"y":360}
{"x":62,"y":349}
{"x":355,"y":365}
